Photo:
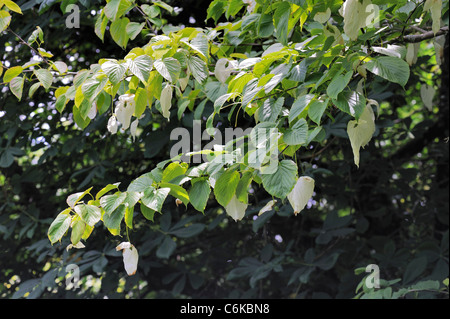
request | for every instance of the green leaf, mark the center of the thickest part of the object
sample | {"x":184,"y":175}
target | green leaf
{"x":5,"y":20}
{"x":297,"y":134}
{"x":141,"y":102}
{"x":91,"y":88}
{"x":111,"y":202}
{"x":154,"y":198}
{"x":73,"y":199}
{"x":327,"y":261}
{"x":7,"y":156}
{"x":163,"y":5}
{"x":59,"y":226}
{"x":280,"y":183}
{"x":80,"y":77}
{"x":12,"y":73}
{"x":169,"y":68}
{"x":114,"y":71}
{"x":78,"y":227}
{"x":118,"y":31}
{"x":414,"y":269}
{"x":16,"y":86}
{"x":338,"y":84}
{"x":90,"y":214}
{"x":33,"y":89}
{"x":426,"y":285}
{"x":351,"y":102}
{"x":299,"y":105}
{"x":81,"y":119}
{"x":112,"y":221}
{"x":100,"y":26}
{"x":390,"y":68}
{"x":131,"y":199}
{"x":133,"y":29}
{"x":281,"y":21}
{"x":225,"y":187}
{"x":273,"y":82}
{"x":199,"y":194}
{"x":6,"y":159}
{"x":141,"y":67}
{"x":84,"y":109}
{"x":198,"y":68}
{"x":60,"y":66}
{"x":166,"y":248}
{"x":151,"y":11}
{"x":129,"y":212}
{"x":189,"y":231}
{"x":242,"y":187}
{"x":270,"y":110}
{"x":234,"y":7}
{"x":216,"y":9}
{"x":173,"y":170}
{"x":177,"y":192}
{"x":103,"y":102}
{"x":116,"y":8}
{"x":316,"y":109}
{"x":106,"y":189}
{"x":12,"y":6}
{"x":141,"y":184}
{"x":200,"y":45}
{"x":148,"y":213}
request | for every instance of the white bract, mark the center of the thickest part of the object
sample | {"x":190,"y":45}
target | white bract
{"x":223,"y":69}
{"x":323,"y":17}
{"x":301,"y":194}
{"x":267,"y":207}
{"x":435,"y":8}
{"x":251,"y":5}
{"x":93,"y":111}
{"x":112,"y":124}
{"x":130,"y":257}
{"x":427,"y":93}
{"x":133,"y":128}
{"x":439,"y":43}
{"x":77,"y":245}
{"x":125,"y":109}
{"x":235,"y":209}
{"x":361,"y":131}
{"x":166,"y":100}
{"x":411,"y":53}
{"x":355,"y":16}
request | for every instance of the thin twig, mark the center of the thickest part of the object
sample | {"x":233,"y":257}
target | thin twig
{"x":33,"y":49}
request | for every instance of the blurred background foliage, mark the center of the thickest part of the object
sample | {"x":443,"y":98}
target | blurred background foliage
{"x":392,"y":212}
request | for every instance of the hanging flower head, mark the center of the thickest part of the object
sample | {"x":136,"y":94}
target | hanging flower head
{"x":123,"y":113}
{"x":130,"y":257}
{"x":112,"y":124}
{"x":125,"y":109}
{"x":302,"y":192}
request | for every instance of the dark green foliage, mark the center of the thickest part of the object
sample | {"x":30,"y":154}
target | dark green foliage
{"x":392,"y":211}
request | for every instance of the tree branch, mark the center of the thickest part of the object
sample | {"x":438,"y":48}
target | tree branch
{"x":414,"y":38}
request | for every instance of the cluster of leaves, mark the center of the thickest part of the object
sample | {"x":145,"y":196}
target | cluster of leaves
{"x":297,"y":66}
{"x":167,"y":62}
